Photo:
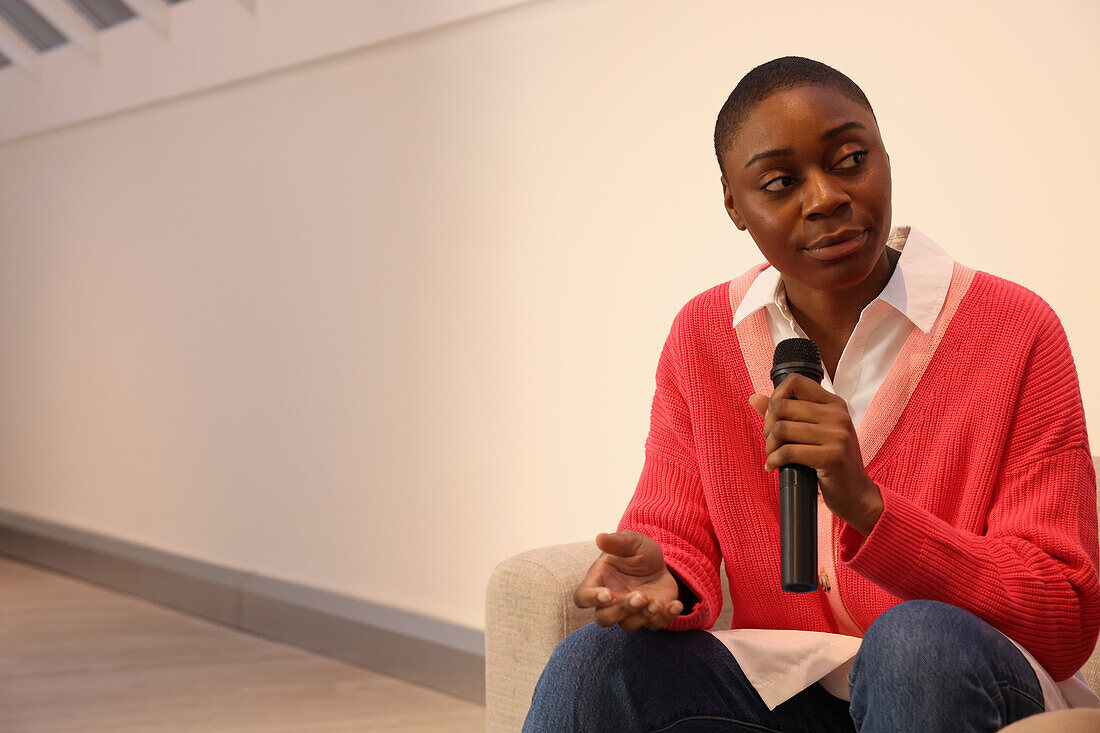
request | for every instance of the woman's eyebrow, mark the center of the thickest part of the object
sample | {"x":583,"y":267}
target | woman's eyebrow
{"x":842,"y":128}
{"x":769,"y":154}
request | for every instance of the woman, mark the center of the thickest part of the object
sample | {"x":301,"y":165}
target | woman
{"x":957,"y":518}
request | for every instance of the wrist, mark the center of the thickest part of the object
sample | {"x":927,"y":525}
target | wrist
{"x":865,"y":519}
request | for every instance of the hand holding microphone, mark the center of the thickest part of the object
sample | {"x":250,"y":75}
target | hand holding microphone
{"x":806,"y":425}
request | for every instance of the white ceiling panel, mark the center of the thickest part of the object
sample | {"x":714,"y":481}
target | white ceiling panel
{"x":184,"y":46}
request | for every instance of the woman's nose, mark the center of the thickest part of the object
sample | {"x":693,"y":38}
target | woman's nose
{"x":823,"y":195}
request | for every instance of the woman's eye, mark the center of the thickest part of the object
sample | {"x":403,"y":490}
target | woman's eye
{"x":854,"y":160}
{"x":779,"y":183}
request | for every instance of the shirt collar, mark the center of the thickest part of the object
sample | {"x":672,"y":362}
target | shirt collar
{"x":917,"y":289}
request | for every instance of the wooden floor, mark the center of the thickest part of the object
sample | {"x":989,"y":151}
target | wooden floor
{"x":76,"y":657}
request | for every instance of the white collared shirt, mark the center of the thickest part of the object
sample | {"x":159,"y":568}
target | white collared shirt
{"x":913,"y":296}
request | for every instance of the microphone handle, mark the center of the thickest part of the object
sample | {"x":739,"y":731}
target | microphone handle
{"x":798,"y":528}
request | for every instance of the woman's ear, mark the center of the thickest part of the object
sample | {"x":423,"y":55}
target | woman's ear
{"x":731,"y":208}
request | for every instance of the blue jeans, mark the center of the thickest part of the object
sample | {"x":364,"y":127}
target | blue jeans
{"x":923,"y":666}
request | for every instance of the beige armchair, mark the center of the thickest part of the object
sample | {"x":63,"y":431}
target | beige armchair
{"x":529,"y":610}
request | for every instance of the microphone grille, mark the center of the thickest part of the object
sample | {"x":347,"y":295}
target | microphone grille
{"x":789,"y":350}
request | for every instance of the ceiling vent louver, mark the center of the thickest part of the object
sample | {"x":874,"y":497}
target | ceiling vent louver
{"x":26,"y":21}
{"x":103,"y":13}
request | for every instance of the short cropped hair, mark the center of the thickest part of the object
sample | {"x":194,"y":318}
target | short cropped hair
{"x":776,"y":76}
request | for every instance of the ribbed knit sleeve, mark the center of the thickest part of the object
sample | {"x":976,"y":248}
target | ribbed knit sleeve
{"x":668,"y":503}
{"x":1032,"y":572}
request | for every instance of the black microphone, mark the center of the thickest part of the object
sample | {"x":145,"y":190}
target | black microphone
{"x":797,"y":483}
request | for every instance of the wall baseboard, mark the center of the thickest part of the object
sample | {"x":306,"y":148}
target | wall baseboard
{"x":438,"y":654}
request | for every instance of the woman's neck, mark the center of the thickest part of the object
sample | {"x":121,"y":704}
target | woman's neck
{"x":829,"y":318}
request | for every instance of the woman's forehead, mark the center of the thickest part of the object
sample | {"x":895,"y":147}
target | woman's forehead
{"x":799,"y":114}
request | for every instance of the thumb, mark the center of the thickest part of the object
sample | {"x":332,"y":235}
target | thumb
{"x":759,"y":403}
{"x":623,"y":544}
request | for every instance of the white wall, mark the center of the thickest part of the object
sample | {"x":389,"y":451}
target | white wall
{"x":376,"y":323}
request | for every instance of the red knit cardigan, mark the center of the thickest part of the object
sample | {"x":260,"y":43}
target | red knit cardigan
{"x":976,"y":438}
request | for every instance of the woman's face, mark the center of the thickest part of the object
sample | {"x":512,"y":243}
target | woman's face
{"x":809,"y":178}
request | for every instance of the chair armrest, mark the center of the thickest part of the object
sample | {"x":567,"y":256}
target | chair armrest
{"x":1079,"y":720}
{"x":528,"y":611}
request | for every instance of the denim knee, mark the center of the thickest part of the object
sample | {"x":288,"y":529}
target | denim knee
{"x":923,"y":636}
{"x":931,"y":660}
{"x":918,"y":638}
{"x":605,"y":679}
{"x":576,"y":681}
{"x":584,"y":655}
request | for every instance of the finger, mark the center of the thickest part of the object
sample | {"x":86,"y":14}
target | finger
{"x":799,"y":387}
{"x":813,"y":456}
{"x":796,"y":410}
{"x":620,"y":609}
{"x":833,"y":416}
{"x":641,"y":616}
{"x":588,"y":592}
{"x":790,"y":411}
{"x":759,"y":403}
{"x":784,"y":432}
{"x":662,"y":619}
{"x":634,"y":621}
{"x":591,"y":596}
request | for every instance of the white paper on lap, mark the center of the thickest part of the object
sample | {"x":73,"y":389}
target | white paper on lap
{"x":782,"y":663}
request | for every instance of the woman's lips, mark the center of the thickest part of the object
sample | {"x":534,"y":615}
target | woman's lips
{"x":839,"y":249}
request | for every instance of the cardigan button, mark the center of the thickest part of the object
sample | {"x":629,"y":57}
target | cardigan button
{"x":825,"y":585}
